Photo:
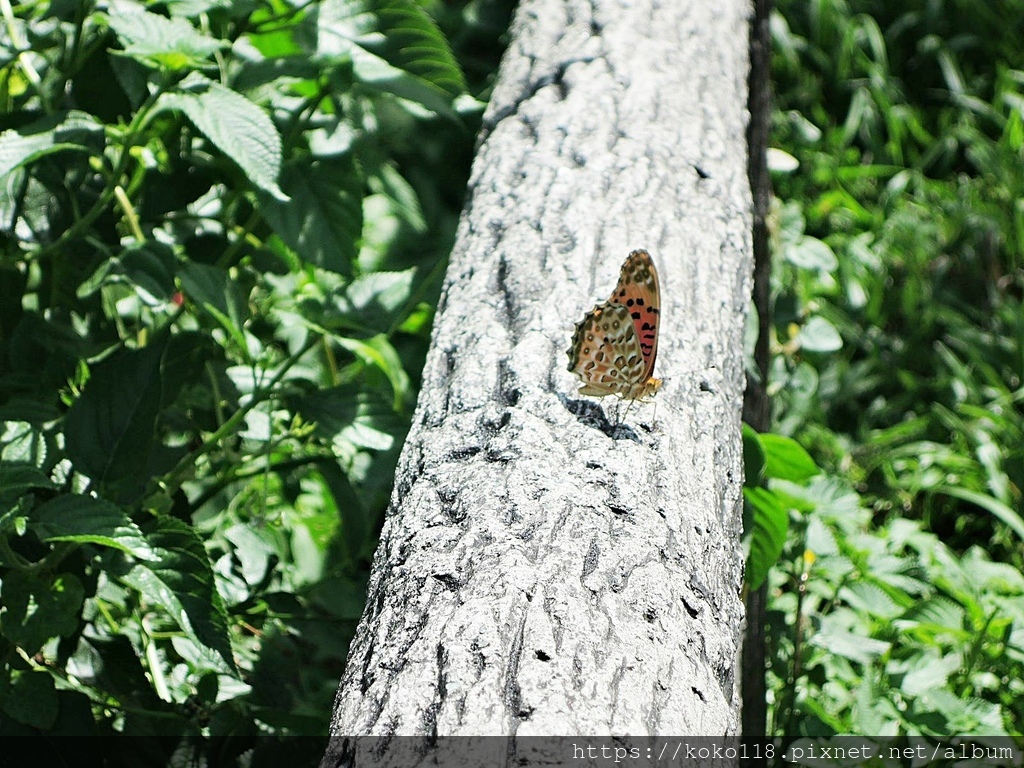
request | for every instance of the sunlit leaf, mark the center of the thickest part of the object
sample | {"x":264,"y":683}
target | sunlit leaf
{"x":150,"y":37}
{"x":236,"y":126}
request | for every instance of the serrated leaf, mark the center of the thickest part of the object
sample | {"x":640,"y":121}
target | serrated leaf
{"x":785,"y":459}
{"x":322,"y":220}
{"x":927,"y":672}
{"x":868,"y":716}
{"x":937,"y":614}
{"x":111,"y":664}
{"x":110,"y":428}
{"x":21,"y":442}
{"x":181,"y":581}
{"x":375,"y":72}
{"x":199,"y":657}
{"x":414,"y":43}
{"x":869,"y":598}
{"x":74,"y":131}
{"x":848,"y":645}
{"x":152,"y":38}
{"x":399,"y":32}
{"x":395,"y":47}
{"x":16,"y":478}
{"x":88,"y":520}
{"x":235,"y":125}
{"x":34,"y":608}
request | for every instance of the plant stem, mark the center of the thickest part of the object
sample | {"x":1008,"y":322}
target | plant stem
{"x":177,"y":475}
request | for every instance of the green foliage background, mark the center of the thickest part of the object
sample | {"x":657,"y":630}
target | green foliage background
{"x":897,"y":607}
{"x":223,"y":230}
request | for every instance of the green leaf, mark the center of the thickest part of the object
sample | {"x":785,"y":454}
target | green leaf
{"x":379,"y":353}
{"x":111,"y":664}
{"x":398,"y":33}
{"x":374,"y":301}
{"x":181,"y":581}
{"x":819,"y":335}
{"x":938,"y":614}
{"x":236,"y":126}
{"x":348,"y":415}
{"x":780,"y":161}
{"x":193,"y":8}
{"x":212,"y":289}
{"x":376,"y":73}
{"x":29,"y":696}
{"x":154,"y":39}
{"x":753,"y":458}
{"x":20,"y":441}
{"x":184,"y":364}
{"x":322,"y":220}
{"x":88,"y":520}
{"x":253,"y":549}
{"x":390,"y":183}
{"x":341,"y":596}
{"x":770,"y":522}
{"x":35,"y":608}
{"x":110,"y":429}
{"x":148,"y":267}
{"x":358,"y":535}
{"x":74,"y":131}
{"x":996,"y":508}
{"x":17,"y":478}
{"x":785,"y":459}
{"x":811,"y":253}
{"x":849,"y":645}
{"x":923,"y":673}
{"x":870,"y":599}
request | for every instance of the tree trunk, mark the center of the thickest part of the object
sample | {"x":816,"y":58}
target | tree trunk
{"x":543,"y":570}
{"x":756,"y":404}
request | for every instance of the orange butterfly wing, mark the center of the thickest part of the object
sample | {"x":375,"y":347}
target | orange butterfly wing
{"x":638,"y":292}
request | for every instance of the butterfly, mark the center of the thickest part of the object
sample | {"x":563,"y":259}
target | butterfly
{"x":615,"y":345}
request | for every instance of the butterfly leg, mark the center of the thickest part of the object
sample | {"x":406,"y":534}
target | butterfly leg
{"x":630,"y":405}
{"x":613,"y":413}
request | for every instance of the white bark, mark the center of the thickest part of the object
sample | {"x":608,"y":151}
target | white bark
{"x":540,"y":571}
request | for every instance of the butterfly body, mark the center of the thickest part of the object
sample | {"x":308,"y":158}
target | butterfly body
{"x":615,"y":345}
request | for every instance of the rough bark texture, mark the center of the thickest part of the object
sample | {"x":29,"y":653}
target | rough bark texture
{"x":543,"y":570}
